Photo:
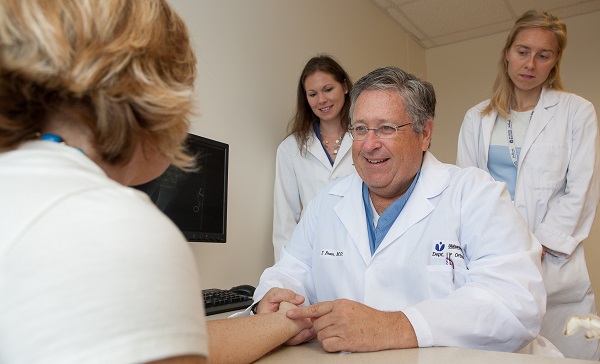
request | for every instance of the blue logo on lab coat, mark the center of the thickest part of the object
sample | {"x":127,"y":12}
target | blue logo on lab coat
{"x":439,"y":246}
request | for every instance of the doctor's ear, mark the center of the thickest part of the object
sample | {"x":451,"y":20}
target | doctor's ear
{"x":427,"y":132}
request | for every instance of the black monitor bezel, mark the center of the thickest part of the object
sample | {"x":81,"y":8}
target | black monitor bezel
{"x":212,"y":237}
{"x":198,"y":142}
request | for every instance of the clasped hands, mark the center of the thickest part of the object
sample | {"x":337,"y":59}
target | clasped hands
{"x":342,"y":325}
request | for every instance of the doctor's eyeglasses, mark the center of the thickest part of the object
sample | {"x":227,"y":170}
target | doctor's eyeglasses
{"x":387,"y":131}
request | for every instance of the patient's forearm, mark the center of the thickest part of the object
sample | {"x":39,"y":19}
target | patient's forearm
{"x":245,"y":339}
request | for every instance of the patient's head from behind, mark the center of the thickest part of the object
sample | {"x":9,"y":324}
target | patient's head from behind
{"x":118,"y":72}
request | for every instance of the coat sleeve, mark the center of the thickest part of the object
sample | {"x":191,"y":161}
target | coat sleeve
{"x":502,"y":301}
{"x":286,"y":200}
{"x":294,"y":268}
{"x":568,"y":222}
{"x":466,"y":155}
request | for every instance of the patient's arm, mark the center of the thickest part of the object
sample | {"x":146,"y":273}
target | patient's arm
{"x":245,"y":339}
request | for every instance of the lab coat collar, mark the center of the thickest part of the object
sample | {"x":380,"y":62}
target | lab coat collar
{"x":315,"y":148}
{"x":433,"y":180}
{"x":351,"y":211}
{"x":487,"y":125}
{"x":540,"y":119}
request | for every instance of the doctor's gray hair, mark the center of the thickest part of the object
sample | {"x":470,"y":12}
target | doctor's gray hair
{"x":418,"y":95}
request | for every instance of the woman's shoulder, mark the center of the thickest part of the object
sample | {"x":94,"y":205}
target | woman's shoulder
{"x":290,"y":143}
{"x":289,"y":140}
{"x":480,"y":106}
{"x":564,"y":96}
{"x":476,"y":112}
{"x":115,"y":202}
{"x":289,"y":146}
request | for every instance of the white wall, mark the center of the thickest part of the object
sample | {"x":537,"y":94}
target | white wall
{"x":250,"y":55}
{"x":463,"y":73}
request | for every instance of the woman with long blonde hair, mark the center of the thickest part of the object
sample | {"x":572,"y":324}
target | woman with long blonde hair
{"x":543,"y":143}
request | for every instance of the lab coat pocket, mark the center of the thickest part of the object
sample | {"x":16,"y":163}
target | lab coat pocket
{"x":443,"y":279}
{"x":545,"y":166}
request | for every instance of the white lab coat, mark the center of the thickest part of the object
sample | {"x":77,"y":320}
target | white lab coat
{"x":557,"y":191}
{"x":299,"y":178}
{"x":493,"y":299}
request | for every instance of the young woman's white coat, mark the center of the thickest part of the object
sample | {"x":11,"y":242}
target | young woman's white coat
{"x":299,"y":178}
{"x":557,"y":192}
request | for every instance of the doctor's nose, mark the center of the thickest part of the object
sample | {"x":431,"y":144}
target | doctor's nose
{"x":371,"y":140}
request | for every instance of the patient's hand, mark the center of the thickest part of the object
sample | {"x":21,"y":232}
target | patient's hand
{"x":305,"y":325}
{"x":282,"y":300}
{"x":270,"y":302}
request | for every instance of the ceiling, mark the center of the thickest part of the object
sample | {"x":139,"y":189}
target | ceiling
{"x":434,"y":23}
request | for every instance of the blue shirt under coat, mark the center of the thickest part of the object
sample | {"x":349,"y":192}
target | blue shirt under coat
{"x":386,"y":220}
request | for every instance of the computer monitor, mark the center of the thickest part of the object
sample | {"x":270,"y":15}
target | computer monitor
{"x":196,"y":201}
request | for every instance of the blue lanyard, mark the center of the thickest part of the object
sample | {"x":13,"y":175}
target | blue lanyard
{"x":49,"y":137}
{"x":389,"y":216}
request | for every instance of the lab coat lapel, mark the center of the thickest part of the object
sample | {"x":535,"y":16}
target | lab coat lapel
{"x":432,"y":181}
{"x":540,"y":119}
{"x":344,"y":148}
{"x":351,"y":212}
{"x":487,"y":126}
{"x":315,"y":148}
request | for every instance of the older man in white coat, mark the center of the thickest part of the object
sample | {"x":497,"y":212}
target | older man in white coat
{"x":409,"y":252}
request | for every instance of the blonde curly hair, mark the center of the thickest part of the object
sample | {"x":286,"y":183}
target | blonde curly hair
{"x":125,"y":68}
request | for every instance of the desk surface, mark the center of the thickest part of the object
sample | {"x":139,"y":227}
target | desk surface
{"x":312,"y":352}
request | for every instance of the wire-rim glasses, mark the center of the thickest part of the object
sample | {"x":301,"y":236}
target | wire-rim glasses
{"x":386,"y":131}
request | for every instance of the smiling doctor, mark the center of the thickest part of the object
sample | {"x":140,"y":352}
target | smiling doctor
{"x":409,"y":252}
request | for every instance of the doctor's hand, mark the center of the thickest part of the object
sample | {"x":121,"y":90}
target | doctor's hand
{"x":344,"y":325}
{"x":271,"y":300}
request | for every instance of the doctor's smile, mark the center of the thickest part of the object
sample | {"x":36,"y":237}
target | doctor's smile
{"x":377,"y":161}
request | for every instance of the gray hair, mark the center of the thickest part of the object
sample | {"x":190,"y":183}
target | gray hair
{"x":418,"y":95}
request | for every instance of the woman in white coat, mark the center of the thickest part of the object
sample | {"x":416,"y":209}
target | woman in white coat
{"x":317,"y":149}
{"x":543,"y":142}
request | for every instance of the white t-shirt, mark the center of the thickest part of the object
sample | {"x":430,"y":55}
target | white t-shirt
{"x":90,"y":271}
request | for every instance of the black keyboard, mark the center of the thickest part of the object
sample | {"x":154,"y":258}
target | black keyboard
{"x":223,"y":300}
